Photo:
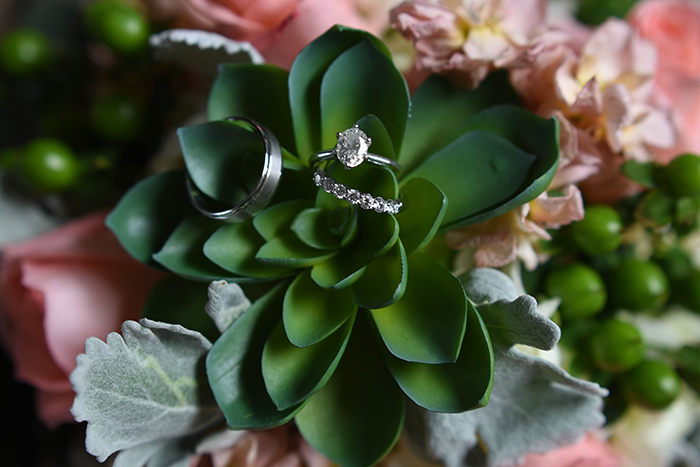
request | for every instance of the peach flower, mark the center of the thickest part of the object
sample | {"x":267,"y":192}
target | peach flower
{"x":56,"y":291}
{"x":467,"y":39}
{"x":674,"y":27}
{"x":591,"y":452}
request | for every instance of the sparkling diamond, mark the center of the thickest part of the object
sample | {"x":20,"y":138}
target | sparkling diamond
{"x":340,"y":191}
{"x":352,"y":147}
{"x":353,"y":196}
{"x":317,"y":178}
{"x":382,"y":205}
{"x":366,"y":201}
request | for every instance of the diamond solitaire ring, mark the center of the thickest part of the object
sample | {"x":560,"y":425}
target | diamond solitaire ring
{"x":264,"y":189}
{"x":352,"y":150}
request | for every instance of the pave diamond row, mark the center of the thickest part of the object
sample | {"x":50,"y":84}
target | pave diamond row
{"x":352,"y":196}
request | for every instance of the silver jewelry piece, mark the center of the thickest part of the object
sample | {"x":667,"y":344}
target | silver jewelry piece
{"x":264,"y":190}
{"x":352,"y":196}
{"x":352,"y":150}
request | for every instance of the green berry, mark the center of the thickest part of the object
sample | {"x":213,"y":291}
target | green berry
{"x":653,"y":384}
{"x":683,"y":175}
{"x":122,"y":28}
{"x":24,"y":52}
{"x":599,"y":232}
{"x":117,"y":117}
{"x":638,"y":285}
{"x":49,"y":165}
{"x":616,"y":346}
{"x":580,"y":288}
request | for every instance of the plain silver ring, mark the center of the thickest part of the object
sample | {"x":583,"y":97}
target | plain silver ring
{"x":330,"y":155}
{"x":262,"y":193}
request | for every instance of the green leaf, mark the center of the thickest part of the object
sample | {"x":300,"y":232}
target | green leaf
{"x":293,"y":374}
{"x":277,"y":219}
{"x":312,"y":227}
{"x":288,"y":251}
{"x":376,"y":131}
{"x":183,"y":251}
{"x":642,"y":173}
{"x":179,"y":301}
{"x":358,"y":415}
{"x":384,"y":281}
{"x":343,"y":221}
{"x":255,"y":91}
{"x":311,"y":313}
{"x":507,"y":159}
{"x":148,"y":213}
{"x":305,"y":80}
{"x":427,"y":325}
{"x":223,"y":159}
{"x":234,"y":246}
{"x":234,"y":372}
{"x":451,"y":387}
{"x":424,"y":206}
{"x":440,"y":112}
{"x":363,"y":81}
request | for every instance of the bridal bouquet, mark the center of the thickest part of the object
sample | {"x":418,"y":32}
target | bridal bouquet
{"x":469,"y":240}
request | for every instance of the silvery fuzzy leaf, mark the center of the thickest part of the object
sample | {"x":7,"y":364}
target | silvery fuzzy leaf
{"x":226,"y":303}
{"x":535,"y":406}
{"x":146,"y":386}
{"x":138,"y":456}
{"x":201,"y":50}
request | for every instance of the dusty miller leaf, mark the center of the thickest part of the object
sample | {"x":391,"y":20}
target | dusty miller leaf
{"x":535,"y":406}
{"x":226,"y":303}
{"x":146,"y":386}
{"x":201,"y":50}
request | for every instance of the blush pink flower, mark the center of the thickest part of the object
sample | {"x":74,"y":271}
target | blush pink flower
{"x":56,"y":291}
{"x":467,"y":39}
{"x":591,"y":452}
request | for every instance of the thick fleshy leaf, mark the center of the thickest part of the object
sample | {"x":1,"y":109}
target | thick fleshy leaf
{"x":376,"y":131}
{"x":224,"y":160}
{"x":363,"y":81}
{"x":233,"y":367}
{"x":451,"y":387}
{"x":377,"y":233}
{"x":275,"y":220}
{"x":305,"y":80}
{"x":183,"y":251}
{"x":424,"y":206}
{"x":384,"y":281}
{"x":427,"y":325}
{"x":311,"y":313}
{"x":358,"y":415}
{"x":290,"y":252}
{"x":293,"y":374}
{"x":312,"y":227}
{"x":440,"y":112}
{"x":148,"y":213}
{"x":179,"y":301}
{"x":255,"y":91}
{"x":233,"y":247}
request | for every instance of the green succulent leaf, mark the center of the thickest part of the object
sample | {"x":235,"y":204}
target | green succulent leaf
{"x":311,"y":313}
{"x":440,"y":112}
{"x":255,"y":91}
{"x":288,"y":251}
{"x":381,"y":141}
{"x":644,"y":173}
{"x":148,"y":213}
{"x":312,"y":227}
{"x":428,"y":324}
{"x":234,"y":372}
{"x":451,"y":387}
{"x":234,"y":246}
{"x":343,"y":221}
{"x":277,"y":219}
{"x":424,"y":206}
{"x":363,"y":81}
{"x":305,"y":80}
{"x":358,"y":415}
{"x":384,"y":281}
{"x":507,"y":158}
{"x":183,"y":252}
{"x":293,"y":374}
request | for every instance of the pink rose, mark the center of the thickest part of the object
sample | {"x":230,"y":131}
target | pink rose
{"x":591,"y":452}
{"x":56,"y":291}
{"x":281,"y":28}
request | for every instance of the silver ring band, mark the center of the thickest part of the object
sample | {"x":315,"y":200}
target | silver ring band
{"x":262,"y":193}
{"x":325,"y":156}
{"x":352,"y":196}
